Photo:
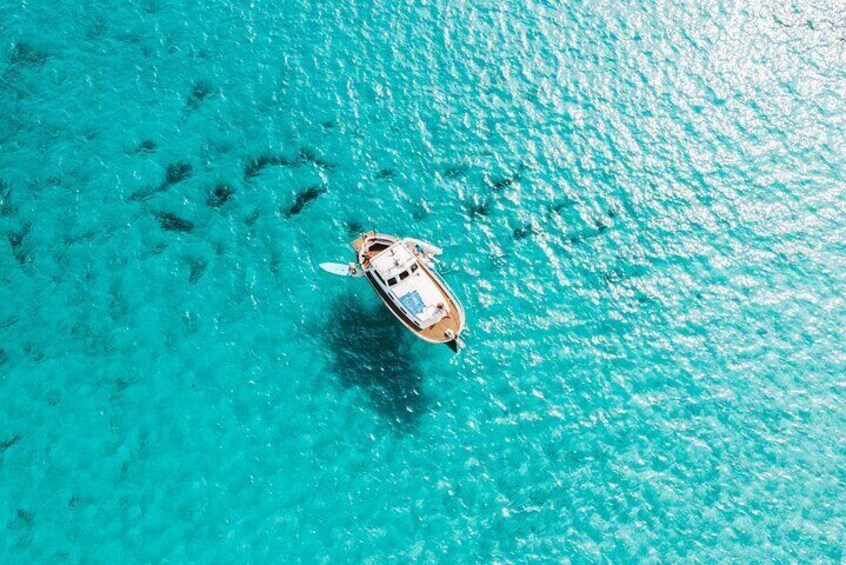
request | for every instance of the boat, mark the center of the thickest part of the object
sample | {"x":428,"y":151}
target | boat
{"x":402,"y":272}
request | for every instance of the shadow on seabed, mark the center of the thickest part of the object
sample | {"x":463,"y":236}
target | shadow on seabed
{"x":371,"y":351}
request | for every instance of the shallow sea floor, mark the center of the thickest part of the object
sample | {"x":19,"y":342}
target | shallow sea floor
{"x":643,"y":211}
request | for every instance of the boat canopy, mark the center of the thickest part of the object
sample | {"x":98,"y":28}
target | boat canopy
{"x":394,"y":260}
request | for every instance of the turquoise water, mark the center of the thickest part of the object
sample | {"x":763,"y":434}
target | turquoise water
{"x":642,"y":209}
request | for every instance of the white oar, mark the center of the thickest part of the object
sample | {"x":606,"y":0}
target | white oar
{"x":341,"y":270}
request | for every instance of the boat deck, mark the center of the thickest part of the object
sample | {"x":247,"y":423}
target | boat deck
{"x":451,"y":321}
{"x":360,"y":241}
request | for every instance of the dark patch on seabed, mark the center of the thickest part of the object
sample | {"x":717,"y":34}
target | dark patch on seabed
{"x":419,"y":211}
{"x":6,"y":208}
{"x":586,"y":235}
{"x":6,"y":444}
{"x":303,"y":199}
{"x":304,"y":156}
{"x":255,"y":165}
{"x":201,"y":90}
{"x":16,"y":240}
{"x":25,"y":516}
{"x":121,"y":384}
{"x":252,"y":218}
{"x":506,"y":181}
{"x":386,"y":173}
{"x":560,"y":206}
{"x":172,"y":222}
{"x":522,"y":232}
{"x":197,"y":268}
{"x":220,"y":195}
{"x":34,"y":353}
{"x":455,"y":171}
{"x":370,"y":350}
{"x":307,"y":155}
{"x":354,"y":228}
{"x":175,"y":173}
{"x":146,"y":146}
{"x":21,"y":526}
{"x":25,"y":55}
{"x":478,"y":208}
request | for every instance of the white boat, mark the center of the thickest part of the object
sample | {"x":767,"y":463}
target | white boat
{"x":402,"y":273}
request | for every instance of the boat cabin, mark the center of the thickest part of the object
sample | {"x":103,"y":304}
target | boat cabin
{"x":398,"y":272}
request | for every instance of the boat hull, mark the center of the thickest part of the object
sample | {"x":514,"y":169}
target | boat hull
{"x":447,"y":330}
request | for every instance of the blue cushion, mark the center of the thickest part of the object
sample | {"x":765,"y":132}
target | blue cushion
{"x":412,"y":302}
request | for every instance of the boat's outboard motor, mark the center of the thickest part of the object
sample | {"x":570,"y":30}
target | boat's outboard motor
{"x":455,"y":342}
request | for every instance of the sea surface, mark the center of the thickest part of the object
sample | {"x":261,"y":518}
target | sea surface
{"x":643,"y":210}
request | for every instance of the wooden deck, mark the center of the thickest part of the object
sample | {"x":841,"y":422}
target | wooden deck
{"x":357,"y":246}
{"x":435,"y":333}
{"x":452,"y":320}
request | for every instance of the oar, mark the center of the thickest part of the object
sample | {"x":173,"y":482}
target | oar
{"x":341,"y":270}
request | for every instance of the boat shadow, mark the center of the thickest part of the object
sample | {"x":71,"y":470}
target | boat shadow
{"x":371,"y":351}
